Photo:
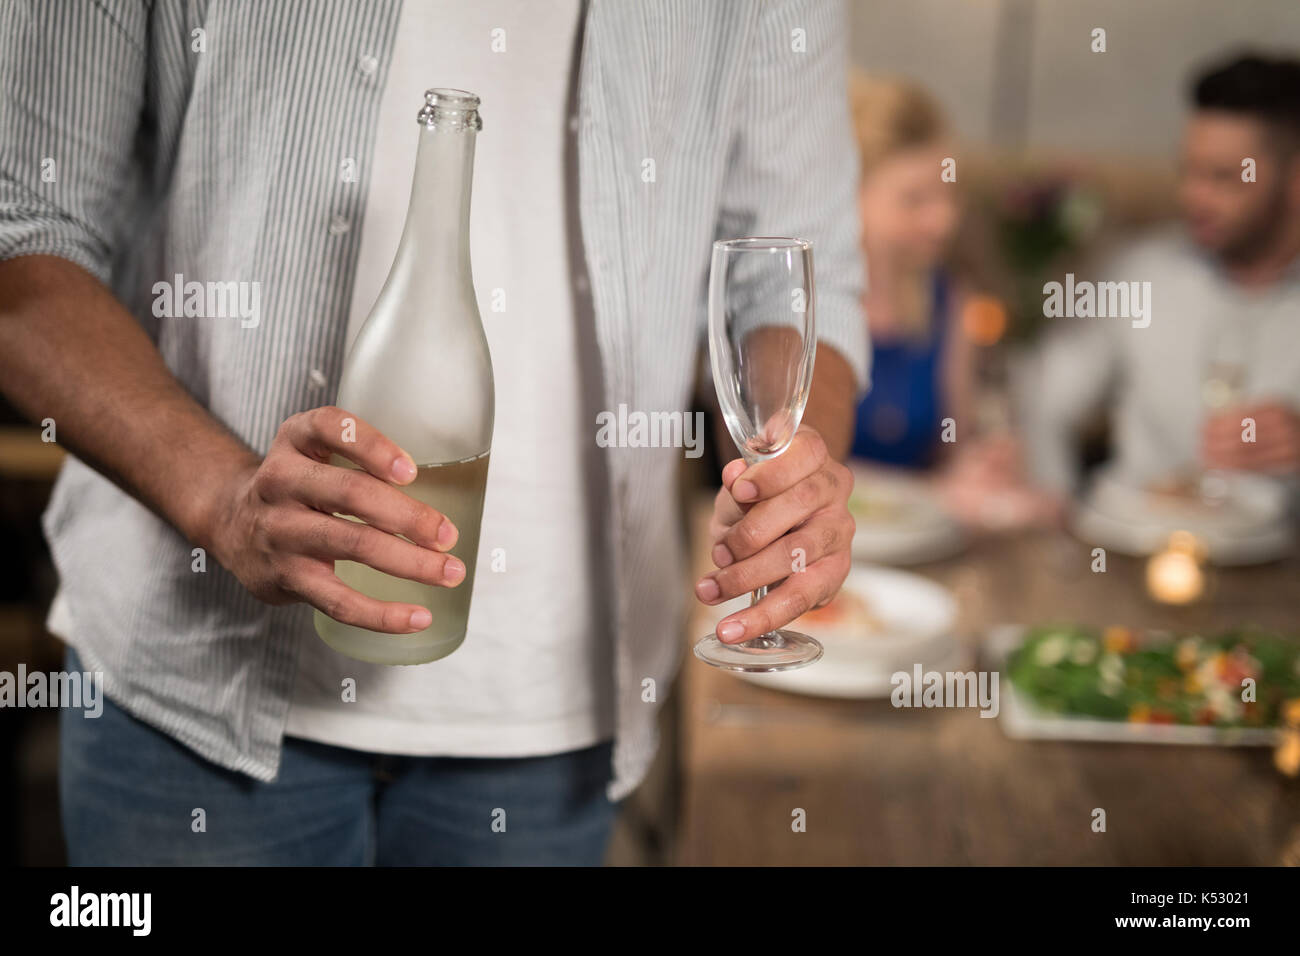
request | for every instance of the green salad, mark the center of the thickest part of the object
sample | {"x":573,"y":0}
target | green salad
{"x":1237,"y":679}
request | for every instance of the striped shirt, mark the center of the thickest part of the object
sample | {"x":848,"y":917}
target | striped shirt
{"x":145,"y":140}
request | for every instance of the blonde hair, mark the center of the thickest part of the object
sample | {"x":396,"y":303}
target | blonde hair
{"x":891,"y":115}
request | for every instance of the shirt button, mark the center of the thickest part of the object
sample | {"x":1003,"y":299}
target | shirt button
{"x":339,"y":225}
{"x":367,"y":64}
{"x":581,"y":283}
{"x":317,"y":378}
{"x":573,"y":124}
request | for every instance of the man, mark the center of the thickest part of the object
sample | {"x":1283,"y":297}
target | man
{"x":1223,"y":340}
{"x":273,"y":144}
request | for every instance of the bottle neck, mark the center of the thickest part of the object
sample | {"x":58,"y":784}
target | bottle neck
{"x":437,"y":219}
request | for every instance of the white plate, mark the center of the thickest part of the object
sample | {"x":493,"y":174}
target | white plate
{"x":911,"y":528}
{"x":1024,"y":720}
{"x":917,"y":618}
{"x":851,"y":682}
{"x":1251,"y":526}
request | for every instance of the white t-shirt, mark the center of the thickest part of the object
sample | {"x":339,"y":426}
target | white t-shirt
{"x":534,"y":673}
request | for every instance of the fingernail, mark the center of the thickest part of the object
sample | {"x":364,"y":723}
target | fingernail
{"x":421,"y":619}
{"x":722,"y":555}
{"x":447,"y":535}
{"x":707,"y":590}
{"x":403,"y":469}
{"x":454,"y":571}
{"x":730,"y":630}
{"x":744,"y":490}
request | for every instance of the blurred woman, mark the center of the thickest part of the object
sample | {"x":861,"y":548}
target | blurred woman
{"x":922,"y":363}
{"x":920,"y":318}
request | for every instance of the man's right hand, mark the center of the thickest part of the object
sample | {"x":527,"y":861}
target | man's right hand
{"x":70,"y":352}
{"x":275,"y":527}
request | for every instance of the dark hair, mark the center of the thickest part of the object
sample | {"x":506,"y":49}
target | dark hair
{"x":1254,"y":85}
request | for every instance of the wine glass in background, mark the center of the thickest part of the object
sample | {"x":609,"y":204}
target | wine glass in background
{"x":1223,"y":382}
{"x":762,"y":345}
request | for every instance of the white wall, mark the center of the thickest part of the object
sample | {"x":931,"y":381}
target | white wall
{"x":1130,"y":99}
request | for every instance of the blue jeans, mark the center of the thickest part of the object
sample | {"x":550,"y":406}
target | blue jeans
{"x":131,"y":795}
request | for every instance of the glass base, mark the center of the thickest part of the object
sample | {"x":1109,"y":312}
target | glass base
{"x":772,"y":652}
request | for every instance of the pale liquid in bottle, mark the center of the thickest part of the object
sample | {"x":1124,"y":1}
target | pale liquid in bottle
{"x":455,"y":490}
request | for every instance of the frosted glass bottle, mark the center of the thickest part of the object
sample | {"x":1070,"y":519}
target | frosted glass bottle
{"x":420,"y":372}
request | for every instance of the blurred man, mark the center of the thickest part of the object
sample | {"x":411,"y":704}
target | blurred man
{"x":1219,"y":362}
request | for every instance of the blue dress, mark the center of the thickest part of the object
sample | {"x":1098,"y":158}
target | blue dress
{"x":899,"y":420}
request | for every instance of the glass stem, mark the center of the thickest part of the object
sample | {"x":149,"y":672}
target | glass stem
{"x":771,"y":638}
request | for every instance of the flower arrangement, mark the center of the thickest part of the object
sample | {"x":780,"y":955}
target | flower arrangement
{"x":1040,"y":223}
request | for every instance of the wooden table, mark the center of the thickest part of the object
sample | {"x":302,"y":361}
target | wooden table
{"x":24,"y":455}
{"x":881,"y":785}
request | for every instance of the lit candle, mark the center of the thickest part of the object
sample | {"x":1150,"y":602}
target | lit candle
{"x":1287,"y":755}
{"x":1174,"y":575}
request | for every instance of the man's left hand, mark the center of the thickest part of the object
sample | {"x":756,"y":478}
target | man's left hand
{"x":782,"y":521}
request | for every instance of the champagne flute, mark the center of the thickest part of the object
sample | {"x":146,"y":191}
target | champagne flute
{"x":1223,"y":382}
{"x":762,"y":344}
